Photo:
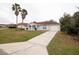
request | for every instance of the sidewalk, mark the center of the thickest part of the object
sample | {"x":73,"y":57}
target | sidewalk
{"x":35,"y":46}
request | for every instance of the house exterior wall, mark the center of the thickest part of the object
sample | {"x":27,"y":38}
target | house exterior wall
{"x":38,"y":27}
{"x":19,"y":26}
{"x":42,"y":27}
{"x":22,"y":26}
{"x":32,"y":26}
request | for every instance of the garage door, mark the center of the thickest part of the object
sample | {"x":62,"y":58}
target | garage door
{"x":54,"y":28}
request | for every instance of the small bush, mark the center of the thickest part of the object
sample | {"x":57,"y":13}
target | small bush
{"x":12,"y":26}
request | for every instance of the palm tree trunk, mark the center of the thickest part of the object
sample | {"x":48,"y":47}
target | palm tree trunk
{"x":22,"y":23}
{"x":16,"y":20}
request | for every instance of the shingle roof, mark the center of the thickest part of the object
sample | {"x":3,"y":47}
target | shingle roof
{"x":51,"y":22}
{"x":25,"y":24}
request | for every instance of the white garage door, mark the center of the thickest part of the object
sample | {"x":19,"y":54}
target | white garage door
{"x":55,"y":28}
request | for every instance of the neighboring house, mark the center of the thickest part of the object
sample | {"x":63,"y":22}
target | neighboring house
{"x":45,"y":25}
{"x":23,"y":25}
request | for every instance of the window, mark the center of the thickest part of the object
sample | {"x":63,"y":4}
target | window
{"x":44,"y":27}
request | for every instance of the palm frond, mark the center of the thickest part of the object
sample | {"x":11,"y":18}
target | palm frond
{"x":23,"y":13}
{"x":13,"y":7}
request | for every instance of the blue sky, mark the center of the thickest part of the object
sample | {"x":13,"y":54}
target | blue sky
{"x":38,"y":10}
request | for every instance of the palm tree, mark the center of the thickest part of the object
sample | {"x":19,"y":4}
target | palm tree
{"x":16,"y":7}
{"x":23,"y":14}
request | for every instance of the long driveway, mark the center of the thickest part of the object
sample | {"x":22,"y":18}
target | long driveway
{"x":35,"y":46}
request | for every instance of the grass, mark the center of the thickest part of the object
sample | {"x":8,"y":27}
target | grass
{"x":13,"y":35}
{"x":63,"y":44}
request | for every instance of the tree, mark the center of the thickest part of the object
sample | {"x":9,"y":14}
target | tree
{"x":76,"y":21}
{"x":76,"y":18}
{"x":23,"y":14}
{"x":16,"y":8}
{"x":66,"y":23}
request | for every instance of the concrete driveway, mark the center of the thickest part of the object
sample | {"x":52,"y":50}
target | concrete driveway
{"x":35,"y":46}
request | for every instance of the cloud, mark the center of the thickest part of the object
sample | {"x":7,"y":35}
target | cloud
{"x":37,"y":11}
{"x":40,"y":1}
{"x":4,"y":21}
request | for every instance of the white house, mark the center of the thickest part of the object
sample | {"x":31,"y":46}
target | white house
{"x":45,"y":25}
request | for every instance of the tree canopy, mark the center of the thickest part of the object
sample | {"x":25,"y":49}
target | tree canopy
{"x":70,"y":24}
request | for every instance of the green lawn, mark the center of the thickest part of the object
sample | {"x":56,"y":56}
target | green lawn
{"x":12,"y":35}
{"x":63,"y":44}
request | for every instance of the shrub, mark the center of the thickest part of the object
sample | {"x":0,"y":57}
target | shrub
{"x":66,"y":24}
{"x":12,"y":26}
